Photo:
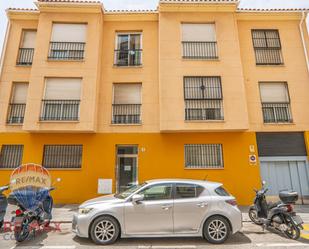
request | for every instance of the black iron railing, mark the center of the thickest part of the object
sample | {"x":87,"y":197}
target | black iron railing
{"x":277,"y":113}
{"x":268,"y":56}
{"x":203,"y":110}
{"x":128,"y":57}
{"x":16,"y":113}
{"x":66,"y":50}
{"x":126,"y":114}
{"x":62,"y":110}
{"x":25,"y":56}
{"x":199,"y":50}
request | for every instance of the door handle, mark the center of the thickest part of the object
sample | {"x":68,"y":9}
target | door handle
{"x":166,"y":207}
{"x":202,"y":204}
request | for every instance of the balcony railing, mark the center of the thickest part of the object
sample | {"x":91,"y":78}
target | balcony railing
{"x":128,"y":57}
{"x":268,"y":56}
{"x":126,"y":114}
{"x":199,"y":50}
{"x":25,"y":56}
{"x":66,"y":50}
{"x":62,"y":110}
{"x":277,"y":113}
{"x":16,"y":113}
{"x":203,"y":110}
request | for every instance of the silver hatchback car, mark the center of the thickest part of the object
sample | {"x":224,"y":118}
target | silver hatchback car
{"x":161,"y":208}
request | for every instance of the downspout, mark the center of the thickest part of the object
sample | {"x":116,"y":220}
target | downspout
{"x":304,"y":14}
{"x":8,"y":27}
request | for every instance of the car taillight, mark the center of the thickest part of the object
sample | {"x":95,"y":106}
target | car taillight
{"x":232,"y":202}
{"x":289,"y":208}
{"x":18,"y":212}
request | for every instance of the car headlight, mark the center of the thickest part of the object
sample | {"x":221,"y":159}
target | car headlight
{"x":84,"y":210}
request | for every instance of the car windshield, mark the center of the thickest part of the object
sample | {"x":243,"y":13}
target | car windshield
{"x":129,"y":191}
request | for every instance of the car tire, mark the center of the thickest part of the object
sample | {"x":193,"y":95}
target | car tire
{"x":216,"y":230}
{"x":104,"y":230}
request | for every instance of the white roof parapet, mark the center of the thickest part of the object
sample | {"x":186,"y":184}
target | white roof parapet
{"x":200,"y":1}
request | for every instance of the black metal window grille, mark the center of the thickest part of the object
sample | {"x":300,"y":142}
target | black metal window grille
{"x":126,"y":114}
{"x":62,"y":110}
{"x":203,"y":98}
{"x":11,"y":156}
{"x":267,"y":47}
{"x":277,"y":113}
{"x":62,"y":156}
{"x":199,"y":50}
{"x":25,"y":56}
{"x":16,"y":113}
{"x":129,"y":50}
{"x":203,"y":156}
{"x":66,"y":50}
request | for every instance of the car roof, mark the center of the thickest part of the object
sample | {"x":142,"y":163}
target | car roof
{"x":179,"y":180}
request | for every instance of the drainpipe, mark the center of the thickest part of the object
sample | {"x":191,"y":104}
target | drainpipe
{"x":4,"y":45}
{"x":304,"y":14}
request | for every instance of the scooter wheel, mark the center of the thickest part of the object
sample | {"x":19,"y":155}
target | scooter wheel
{"x":253,"y":215}
{"x":293,"y":231}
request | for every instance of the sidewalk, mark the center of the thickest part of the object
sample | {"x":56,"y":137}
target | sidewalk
{"x":64,"y":213}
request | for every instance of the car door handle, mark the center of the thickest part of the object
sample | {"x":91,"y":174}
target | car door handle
{"x":202,"y":204}
{"x":166,"y":207}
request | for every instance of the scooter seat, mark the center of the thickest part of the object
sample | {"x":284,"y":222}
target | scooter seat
{"x":273,"y":205}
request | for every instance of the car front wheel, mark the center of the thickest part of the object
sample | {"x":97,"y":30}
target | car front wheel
{"x":216,"y":230}
{"x":104,"y":230}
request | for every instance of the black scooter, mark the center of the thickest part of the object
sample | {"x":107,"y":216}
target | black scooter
{"x":3,"y":204}
{"x":279,"y":215}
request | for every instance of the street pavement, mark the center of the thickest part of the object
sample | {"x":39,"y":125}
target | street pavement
{"x":59,"y":236}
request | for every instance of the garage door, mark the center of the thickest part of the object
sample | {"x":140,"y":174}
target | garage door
{"x":286,"y":175}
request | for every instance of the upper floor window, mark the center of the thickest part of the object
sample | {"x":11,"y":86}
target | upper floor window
{"x":61,"y":100}
{"x":275,"y":102}
{"x":203,"y":98}
{"x":26,"y":49}
{"x":267,"y":47}
{"x":203,"y":156}
{"x":11,"y":156}
{"x":199,"y":41}
{"x":17,"y":104}
{"x":68,"y":41}
{"x":62,"y":156}
{"x":128,"y":50}
{"x":127,"y":103}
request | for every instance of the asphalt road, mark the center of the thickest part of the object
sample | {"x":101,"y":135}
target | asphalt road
{"x":60,"y":237}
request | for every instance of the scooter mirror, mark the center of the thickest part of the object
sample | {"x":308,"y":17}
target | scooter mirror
{"x":263,"y":183}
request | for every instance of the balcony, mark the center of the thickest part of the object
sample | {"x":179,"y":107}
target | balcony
{"x":16,"y":113}
{"x":199,"y":50}
{"x":268,"y":56}
{"x":60,"y":110}
{"x":66,"y":51}
{"x":25,"y":56}
{"x":128,"y":57}
{"x":203,"y":110}
{"x":277,"y":113}
{"x":126,"y":114}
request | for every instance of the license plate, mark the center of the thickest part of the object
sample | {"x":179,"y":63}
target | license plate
{"x":297,"y":220}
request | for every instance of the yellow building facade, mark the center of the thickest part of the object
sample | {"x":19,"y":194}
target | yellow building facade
{"x":201,"y":90}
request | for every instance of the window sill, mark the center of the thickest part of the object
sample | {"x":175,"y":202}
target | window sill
{"x":64,"y":60}
{"x":292,"y":123}
{"x":200,"y":59}
{"x":140,"y":66}
{"x":208,"y":168}
{"x":12,"y":124}
{"x":140,"y":124}
{"x":204,"y":121}
{"x":21,"y":65}
{"x":270,"y":65}
{"x":59,"y":121}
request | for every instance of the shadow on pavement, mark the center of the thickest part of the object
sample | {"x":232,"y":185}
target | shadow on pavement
{"x":238,"y":238}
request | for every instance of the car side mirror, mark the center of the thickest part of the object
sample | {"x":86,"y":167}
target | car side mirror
{"x":137,"y":198}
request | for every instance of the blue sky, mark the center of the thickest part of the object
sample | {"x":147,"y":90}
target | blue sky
{"x":143,"y":4}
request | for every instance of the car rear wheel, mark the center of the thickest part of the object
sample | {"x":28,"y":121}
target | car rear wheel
{"x":104,"y":230}
{"x":217,"y":230}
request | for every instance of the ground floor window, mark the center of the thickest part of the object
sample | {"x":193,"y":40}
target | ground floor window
{"x":203,"y":156}
{"x":62,"y":156}
{"x":11,"y":156}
